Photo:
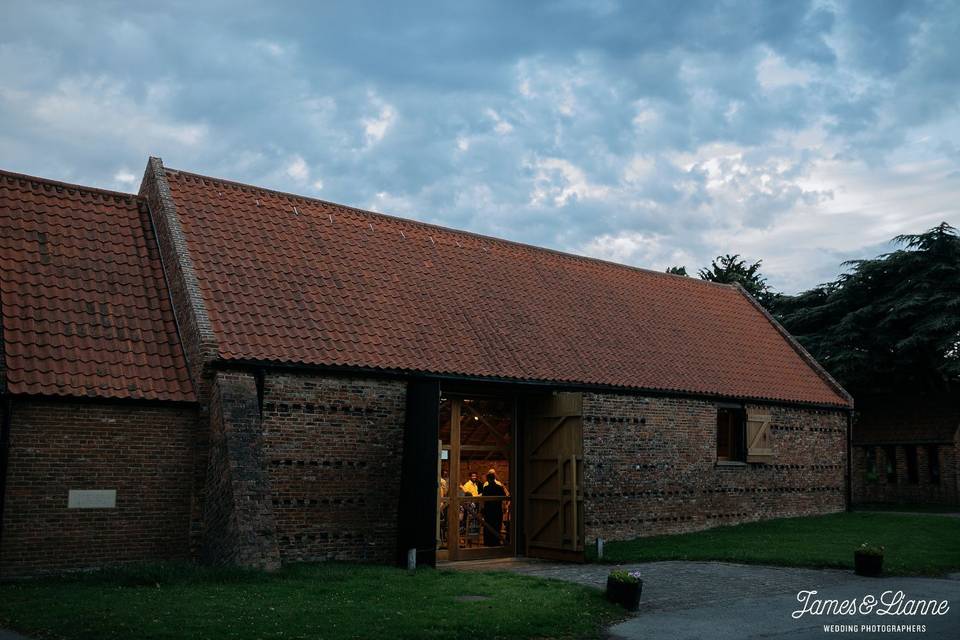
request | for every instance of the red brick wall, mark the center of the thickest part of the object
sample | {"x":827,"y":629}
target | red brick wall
{"x":333,"y":448}
{"x":143,"y":451}
{"x":238,"y":520}
{"x":650,"y":467}
{"x":878,"y":489}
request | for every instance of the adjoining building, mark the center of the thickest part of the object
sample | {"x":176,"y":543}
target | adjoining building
{"x":99,"y":416}
{"x":218,"y":371}
{"x":906,"y":450}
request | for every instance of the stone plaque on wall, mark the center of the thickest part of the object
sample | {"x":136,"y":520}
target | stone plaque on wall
{"x":92,"y":499}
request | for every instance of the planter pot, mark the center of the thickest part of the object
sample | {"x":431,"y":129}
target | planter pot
{"x":867,"y":564}
{"x":624,"y":594}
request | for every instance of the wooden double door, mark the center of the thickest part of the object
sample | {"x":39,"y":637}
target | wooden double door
{"x":533,"y":445}
{"x":553,"y":477}
{"x":477,"y":477}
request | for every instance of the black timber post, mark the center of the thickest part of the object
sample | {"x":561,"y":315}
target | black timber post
{"x":417,"y":526}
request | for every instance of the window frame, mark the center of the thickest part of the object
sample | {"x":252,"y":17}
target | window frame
{"x":913,"y":463}
{"x":890,"y":463}
{"x":737,"y":435}
{"x":870,"y":464}
{"x":933,"y":464}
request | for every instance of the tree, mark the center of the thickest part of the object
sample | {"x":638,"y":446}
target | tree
{"x":732,"y":269}
{"x":891,"y":323}
{"x":677,"y":271}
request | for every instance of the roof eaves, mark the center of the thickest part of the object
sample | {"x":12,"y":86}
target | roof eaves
{"x":227,"y":362}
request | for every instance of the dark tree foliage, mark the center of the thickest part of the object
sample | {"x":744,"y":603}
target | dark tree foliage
{"x":889,"y":324}
{"x":677,"y":271}
{"x":732,"y":269}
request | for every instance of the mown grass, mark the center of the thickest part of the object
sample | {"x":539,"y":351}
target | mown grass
{"x":915,"y":544}
{"x":907,"y":508}
{"x":314,"y":601}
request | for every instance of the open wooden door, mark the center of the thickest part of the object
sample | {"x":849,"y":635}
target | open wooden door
{"x":553,"y":477}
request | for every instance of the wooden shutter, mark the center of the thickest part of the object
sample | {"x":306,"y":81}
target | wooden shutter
{"x":759,"y":445}
{"x":554,"y":477}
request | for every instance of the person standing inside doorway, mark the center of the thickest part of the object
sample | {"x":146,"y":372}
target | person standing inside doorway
{"x":493,"y":472}
{"x":472,"y":486}
{"x":492,"y":511}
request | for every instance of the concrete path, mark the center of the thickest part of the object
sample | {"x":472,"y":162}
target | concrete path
{"x":720,"y":600}
{"x":11,"y":635}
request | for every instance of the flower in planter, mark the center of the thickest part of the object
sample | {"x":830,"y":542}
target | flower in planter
{"x":870,"y":549}
{"x":625,"y":577}
{"x":624,"y":588}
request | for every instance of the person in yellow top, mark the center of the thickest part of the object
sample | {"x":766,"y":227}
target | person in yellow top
{"x":472,"y":486}
{"x":444,"y":483}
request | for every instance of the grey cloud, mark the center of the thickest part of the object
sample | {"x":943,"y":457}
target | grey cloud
{"x":644,"y":124}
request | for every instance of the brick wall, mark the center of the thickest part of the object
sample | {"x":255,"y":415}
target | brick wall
{"x":650,"y":467}
{"x":334,"y":447}
{"x":877,"y":487}
{"x":193,"y":323}
{"x":143,"y":451}
{"x":238,"y":520}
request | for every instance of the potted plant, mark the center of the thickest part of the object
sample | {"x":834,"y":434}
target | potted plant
{"x":624,"y":587}
{"x":868,"y":559}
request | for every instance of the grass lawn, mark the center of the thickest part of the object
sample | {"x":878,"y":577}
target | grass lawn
{"x":327,"y":600}
{"x":908,"y":508}
{"x":915,"y":544}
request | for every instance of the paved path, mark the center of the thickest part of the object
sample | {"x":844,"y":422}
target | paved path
{"x":720,"y":600}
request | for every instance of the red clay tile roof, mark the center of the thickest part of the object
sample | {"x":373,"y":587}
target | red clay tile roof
{"x":294,"y":280}
{"x":84,"y":303}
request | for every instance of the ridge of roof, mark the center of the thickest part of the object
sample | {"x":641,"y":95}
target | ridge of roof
{"x":799,"y":348}
{"x":70,"y":185}
{"x":445,"y":229}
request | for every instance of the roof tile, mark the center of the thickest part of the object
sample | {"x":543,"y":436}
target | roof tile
{"x":84,"y":304}
{"x":333,"y":285}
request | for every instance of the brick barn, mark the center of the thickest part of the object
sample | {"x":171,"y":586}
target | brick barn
{"x":906,"y":450}
{"x":216,"y":371}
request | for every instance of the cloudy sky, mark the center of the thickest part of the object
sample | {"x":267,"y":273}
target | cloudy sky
{"x":655,"y":134}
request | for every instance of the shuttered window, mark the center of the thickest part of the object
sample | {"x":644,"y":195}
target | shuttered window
{"x":759,"y":444}
{"x":730,"y":434}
